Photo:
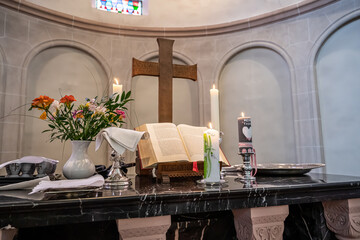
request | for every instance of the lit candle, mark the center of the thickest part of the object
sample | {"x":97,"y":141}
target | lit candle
{"x":117,"y":88}
{"x":214,"y":103}
{"x":245,"y":133}
{"x":211,"y":155}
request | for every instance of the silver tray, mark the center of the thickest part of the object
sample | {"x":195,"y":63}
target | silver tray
{"x":287,"y":168}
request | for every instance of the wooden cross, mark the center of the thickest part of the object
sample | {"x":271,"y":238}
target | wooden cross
{"x":165,"y":70}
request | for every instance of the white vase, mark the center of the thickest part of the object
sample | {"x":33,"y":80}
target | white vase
{"x":79,"y":165}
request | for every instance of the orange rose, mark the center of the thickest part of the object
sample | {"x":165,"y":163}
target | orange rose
{"x":42,"y":102}
{"x":67,"y":99}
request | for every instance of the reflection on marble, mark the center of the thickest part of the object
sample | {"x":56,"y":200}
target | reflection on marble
{"x":307,"y":222}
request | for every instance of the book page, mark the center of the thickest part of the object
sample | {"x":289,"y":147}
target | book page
{"x":193,"y":138}
{"x":166,"y":142}
{"x":145,"y":150}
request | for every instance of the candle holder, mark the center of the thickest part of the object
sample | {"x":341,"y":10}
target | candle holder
{"x":117,"y":178}
{"x":247,"y":165}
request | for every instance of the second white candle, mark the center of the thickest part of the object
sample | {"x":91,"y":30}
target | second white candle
{"x":214,"y":102}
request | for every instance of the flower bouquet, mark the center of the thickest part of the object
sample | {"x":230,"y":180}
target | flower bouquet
{"x":67,"y":122}
{"x":80,"y":124}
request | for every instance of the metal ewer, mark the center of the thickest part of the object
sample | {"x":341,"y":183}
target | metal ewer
{"x":117,"y":178}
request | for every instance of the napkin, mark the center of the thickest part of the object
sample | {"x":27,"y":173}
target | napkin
{"x":93,"y":181}
{"x":30,"y":159}
{"x":23,"y":195}
{"x":119,"y":139}
{"x":25,"y":184}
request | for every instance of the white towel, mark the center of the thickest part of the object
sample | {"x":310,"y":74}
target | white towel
{"x":94,"y":181}
{"x":119,"y":139}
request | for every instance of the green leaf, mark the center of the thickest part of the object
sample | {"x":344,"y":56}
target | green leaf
{"x":128,"y":94}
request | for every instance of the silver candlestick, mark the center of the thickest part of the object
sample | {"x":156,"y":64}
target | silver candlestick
{"x":247,"y":165}
{"x":117,"y":178}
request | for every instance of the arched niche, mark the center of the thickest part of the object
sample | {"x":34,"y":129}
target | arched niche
{"x":337,"y":71}
{"x":256,"y":80}
{"x":57,"y":71}
{"x":186,"y":108}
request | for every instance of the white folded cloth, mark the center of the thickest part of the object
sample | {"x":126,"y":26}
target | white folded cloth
{"x":25,"y":184}
{"x":93,"y":181}
{"x":119,"y":139}
{"x":30,"y":159}
{"x":23,"y":194}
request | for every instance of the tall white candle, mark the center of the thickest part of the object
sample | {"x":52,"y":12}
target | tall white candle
{"x":117,"y":88}
{"x":211,"y":155}
{"x":214,"y":103}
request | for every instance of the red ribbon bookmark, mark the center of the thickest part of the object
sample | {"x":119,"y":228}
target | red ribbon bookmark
{"x":195,"y":167}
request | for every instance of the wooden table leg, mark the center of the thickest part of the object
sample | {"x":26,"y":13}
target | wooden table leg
{"x":343,"y":218}
{"x":144,"y":228}
{"x":260,"y":223}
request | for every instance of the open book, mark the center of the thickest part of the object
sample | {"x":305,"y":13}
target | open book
{"x":171,"y":143}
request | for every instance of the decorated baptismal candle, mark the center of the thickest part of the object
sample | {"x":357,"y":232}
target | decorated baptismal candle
{"x":245,"y":134}
{"x":211,"y":156}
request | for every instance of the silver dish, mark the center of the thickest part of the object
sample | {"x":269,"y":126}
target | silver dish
{"x":287,"y":168}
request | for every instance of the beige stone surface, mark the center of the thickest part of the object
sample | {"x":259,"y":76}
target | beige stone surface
{"x":38,"y":33}
{"x":343,"y":218}
{"x":339,"y":9}
{"x":15,"y":50}
{"x":17,"y":27}
{"x":260,"y":223}
{"x":298,"y":30}
{"x":201,"y":13}
{"x":144,"y":228}
{"x":317,"y":22}
{"x":57,"y":31}
{"x":2,"y":24}
{"x":13,"y":80}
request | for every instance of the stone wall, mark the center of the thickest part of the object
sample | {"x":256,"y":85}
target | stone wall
{"x":22,"y":37}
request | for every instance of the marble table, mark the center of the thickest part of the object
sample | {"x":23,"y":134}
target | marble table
{"x":259,"y":208}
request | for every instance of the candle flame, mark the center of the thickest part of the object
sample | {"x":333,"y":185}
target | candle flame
{"x":242,"y":114}
{"x":213,"y":86}
{"x":117,"y":81}
{"x":210,"y":126}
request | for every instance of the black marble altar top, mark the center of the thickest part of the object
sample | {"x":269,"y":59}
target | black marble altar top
{"x":146,"y":198}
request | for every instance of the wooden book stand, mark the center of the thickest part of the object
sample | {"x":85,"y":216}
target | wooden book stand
{"x":165,"y":171}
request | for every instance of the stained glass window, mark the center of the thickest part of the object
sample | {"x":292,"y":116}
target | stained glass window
{"x":132,"y":7}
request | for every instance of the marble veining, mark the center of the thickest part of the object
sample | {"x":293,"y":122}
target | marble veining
{"x":146,"y":198}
